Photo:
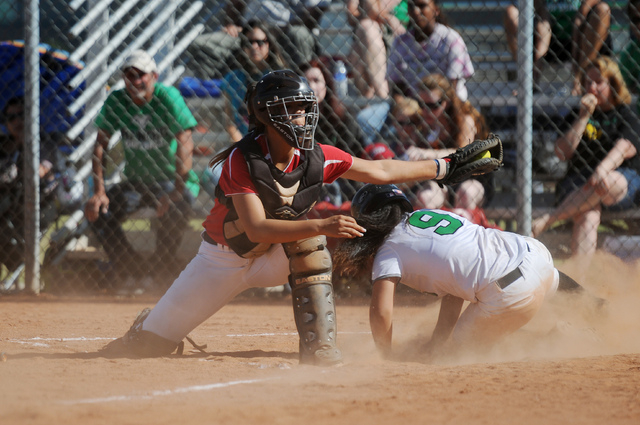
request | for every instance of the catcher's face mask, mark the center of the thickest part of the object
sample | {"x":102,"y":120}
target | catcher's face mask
{"x":295,"y":118}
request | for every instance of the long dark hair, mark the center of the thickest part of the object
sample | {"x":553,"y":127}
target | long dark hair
{"x":274,"y":60}
{"x":354,"y":257}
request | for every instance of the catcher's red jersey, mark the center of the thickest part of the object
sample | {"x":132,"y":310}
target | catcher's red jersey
{"x":235,"y":179}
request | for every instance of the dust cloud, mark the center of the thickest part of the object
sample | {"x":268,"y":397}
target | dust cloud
{"x":568,"y":325}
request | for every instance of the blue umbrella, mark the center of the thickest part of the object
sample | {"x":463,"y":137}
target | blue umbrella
{"x":56,"y":70}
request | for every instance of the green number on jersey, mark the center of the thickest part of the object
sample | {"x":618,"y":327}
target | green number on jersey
{"x":446,"y":224}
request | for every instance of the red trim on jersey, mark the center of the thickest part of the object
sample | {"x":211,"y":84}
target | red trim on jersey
{"x":235,"y":179}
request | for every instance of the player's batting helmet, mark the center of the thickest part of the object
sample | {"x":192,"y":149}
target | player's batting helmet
{"x":276,"y":99}
{"x":371,"y":197}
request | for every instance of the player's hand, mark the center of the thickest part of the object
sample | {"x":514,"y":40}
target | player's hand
{"x":342,"y":226}
{"x":98,"y":203}
{"x":588,"y":104}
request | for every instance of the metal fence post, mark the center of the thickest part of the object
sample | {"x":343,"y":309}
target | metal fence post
{"x":525,"y":120}
{"x":32,"y":145}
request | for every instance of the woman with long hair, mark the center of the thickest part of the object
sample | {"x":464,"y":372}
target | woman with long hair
{"x":601,"y":146}
{"x":259,"y":55}
{"x":446,"y":123}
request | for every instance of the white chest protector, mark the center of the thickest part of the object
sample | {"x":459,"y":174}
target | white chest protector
{"x":440,"y":252}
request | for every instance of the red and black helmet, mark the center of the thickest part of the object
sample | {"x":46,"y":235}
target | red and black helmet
{"x":272,"y":104}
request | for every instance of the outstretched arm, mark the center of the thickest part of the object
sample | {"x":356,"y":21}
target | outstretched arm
{"x":388,"y":171}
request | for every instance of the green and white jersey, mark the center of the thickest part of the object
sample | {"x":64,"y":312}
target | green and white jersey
{"x":148,"y":133}
{"x":442,"y":253}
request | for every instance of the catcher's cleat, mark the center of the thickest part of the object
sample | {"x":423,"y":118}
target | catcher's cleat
{"x":138,"y":343}
{"x":325,"y":356}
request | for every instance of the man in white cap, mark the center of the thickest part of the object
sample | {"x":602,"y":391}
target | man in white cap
{"x":156,"y":134}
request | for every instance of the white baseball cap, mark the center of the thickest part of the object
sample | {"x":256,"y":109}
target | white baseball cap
{"x":141,"y":60}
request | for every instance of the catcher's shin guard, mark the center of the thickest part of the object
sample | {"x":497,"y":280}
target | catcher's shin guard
{"x":313,"y":306}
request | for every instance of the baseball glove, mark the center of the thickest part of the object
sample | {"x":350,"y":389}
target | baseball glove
{"x":478,"y":157}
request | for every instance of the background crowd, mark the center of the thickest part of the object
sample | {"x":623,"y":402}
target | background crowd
{"x":408,"y":67}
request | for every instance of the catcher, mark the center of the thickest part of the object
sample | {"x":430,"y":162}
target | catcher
{"x":255,"y":235}
{"x":505,"y":276}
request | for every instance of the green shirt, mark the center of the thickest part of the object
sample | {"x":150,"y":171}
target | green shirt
{"x":630,"y":64}
{"x":401,"y":11}
{"x":148,"y":133}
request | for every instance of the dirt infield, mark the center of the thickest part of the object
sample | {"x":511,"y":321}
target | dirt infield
{"x":570,"y":365}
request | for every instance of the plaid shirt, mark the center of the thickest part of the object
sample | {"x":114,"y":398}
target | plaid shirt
{"x":444,"y":52}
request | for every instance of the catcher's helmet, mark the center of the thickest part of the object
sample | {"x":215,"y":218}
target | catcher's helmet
{"x":273,"y":101}
{"x":371,"y":197}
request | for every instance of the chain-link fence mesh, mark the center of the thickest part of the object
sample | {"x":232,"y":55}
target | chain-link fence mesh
{"x":377,"y":68}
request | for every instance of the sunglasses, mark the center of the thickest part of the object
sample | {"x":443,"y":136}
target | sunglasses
{"x":260,"y":43}
{"x":433,"y":105}
{"x":132,"y":74}
{"x":419,"y":4}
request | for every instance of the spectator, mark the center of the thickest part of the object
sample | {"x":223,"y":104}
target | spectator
{"x":541,"y":33}
{"x":449,"y":124}
{"x":579,"y":31}
{"x":601,"y":146}
{"x":630,"y":56}
{"x":375,"y":26}
{"x":582,"y":30}
{"x":336,"y":126}
{"x":408,"y":130}
{"x":11,"y":184}
{"x":156,"y":133}
{"x":429,"y":47}
{"x":259,"y":55}
{"x":291,"y":21}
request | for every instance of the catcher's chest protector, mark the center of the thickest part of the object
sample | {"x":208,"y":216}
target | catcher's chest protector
{"x":285,"y":196}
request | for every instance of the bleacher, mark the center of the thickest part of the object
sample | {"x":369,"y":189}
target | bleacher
{"x":491,"y":90}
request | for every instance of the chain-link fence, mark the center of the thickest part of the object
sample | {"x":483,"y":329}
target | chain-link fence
{"x":377,"y":68}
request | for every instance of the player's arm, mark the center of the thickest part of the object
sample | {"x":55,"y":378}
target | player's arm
{"x":260,"y":229}
{"x":381,"y":313}
{"x":447,"y":319}
{"x":388,"y":171}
